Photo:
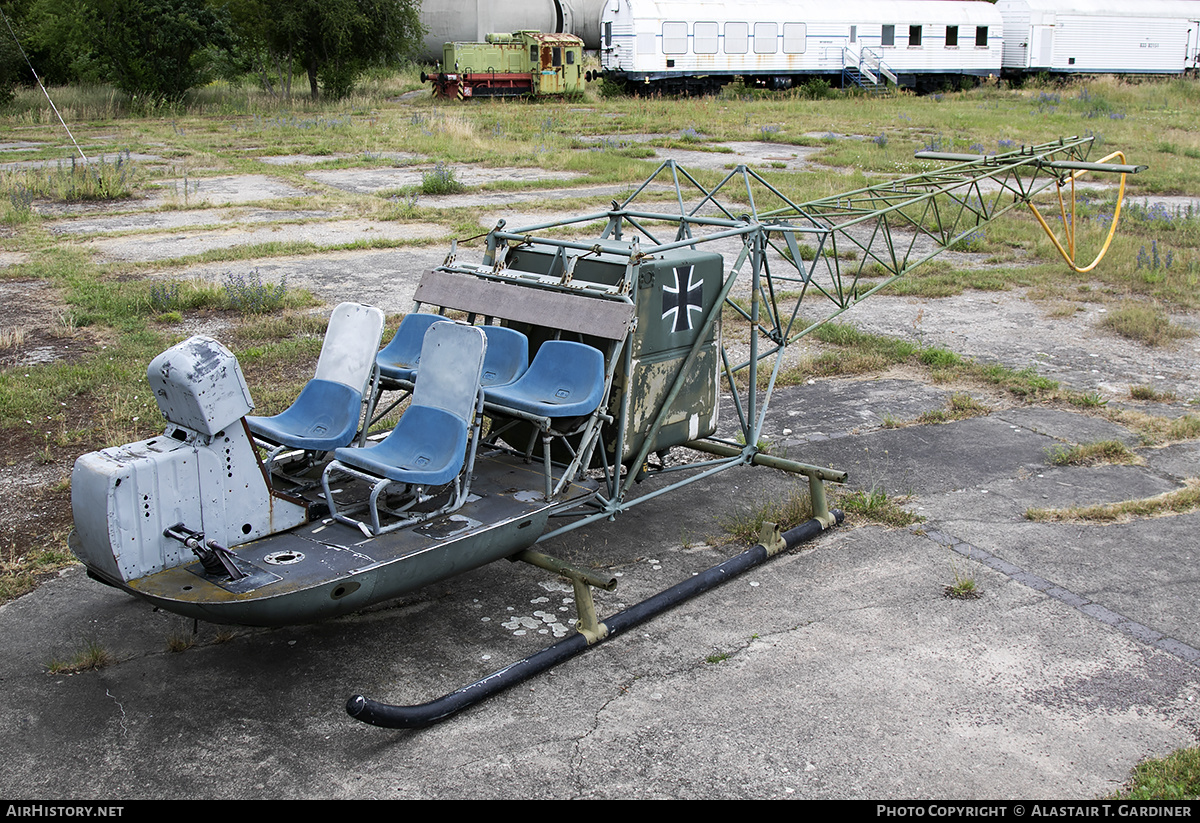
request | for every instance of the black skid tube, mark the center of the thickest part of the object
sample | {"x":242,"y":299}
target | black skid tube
{"x":435,"y":711}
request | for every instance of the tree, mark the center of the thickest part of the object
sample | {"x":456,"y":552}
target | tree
{"x":154,"y":48}
{"x":333,"y":41}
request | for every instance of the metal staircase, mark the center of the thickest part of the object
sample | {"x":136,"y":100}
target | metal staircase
{"x":865,"y":69}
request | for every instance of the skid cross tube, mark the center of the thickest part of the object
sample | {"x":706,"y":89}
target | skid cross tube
{"x":435,"y":711}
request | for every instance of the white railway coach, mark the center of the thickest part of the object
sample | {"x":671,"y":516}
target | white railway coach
{"x":699,"y":45}
{"x":1100,"y":36}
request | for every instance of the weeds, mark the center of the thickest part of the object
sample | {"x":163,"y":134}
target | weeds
{"x":71,"y":182}
{"x":1174,"y":777}
{"x":1149,"y":393}
{"x":1155,"y":429}
{"x":964,"y":586}
{"x":1091,"y":454}
{"x":877,"y":507}
{"x":1146,"y":324}
{"x":181,"y":641}
{"x":93,"y":656}
{"x":786,"y":512}
{"x":960,"y":406}
{"x":1179,"y":501}
{"x":248,"y":294}
{"x":441,"y":180}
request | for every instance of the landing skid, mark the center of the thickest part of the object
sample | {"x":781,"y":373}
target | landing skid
{"x":771,"y":543}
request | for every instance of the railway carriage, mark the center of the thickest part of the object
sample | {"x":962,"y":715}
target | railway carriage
{"x":1100,"y":36}
{"x":674,"y":46}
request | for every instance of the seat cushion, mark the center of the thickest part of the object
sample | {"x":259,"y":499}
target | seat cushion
{"x":427,"y":448}
{"x":324,"y":417}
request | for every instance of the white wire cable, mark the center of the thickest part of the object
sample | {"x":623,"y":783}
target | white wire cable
{"x":43,"y":88}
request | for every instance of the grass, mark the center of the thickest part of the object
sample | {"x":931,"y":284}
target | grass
{"x":876,"y":506}
{"x":1157,"y":430}
{"x":91,"y":657}
{"x":859,"y":352}
{"x":1174,"y":777}
{"x":1090,"y":454}
{"x":960,"y":406}
{"x":1150,"y":394}
{"x":1180,"y":501}
{"x":965,"y":586}
{"x":114,"y":317}
{"x":786,"y":511}
{"x":1146,"y":324}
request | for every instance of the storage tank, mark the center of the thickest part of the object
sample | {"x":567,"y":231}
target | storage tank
{"x":470,"y":21}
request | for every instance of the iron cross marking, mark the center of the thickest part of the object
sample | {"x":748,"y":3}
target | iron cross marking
{"x":680,"y":300}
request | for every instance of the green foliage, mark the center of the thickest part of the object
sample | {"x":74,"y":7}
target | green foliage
{"x":1088,"y":454}
{"x":155,"y":49}
{"x":876,"y":506}
{"x":440,"y":180}
{"x":787,"y":512}
{"x":333,"y":41}
{"x":1146,"y":323}
{"x":1174,"y":777}
{"x":91,"y":657}
{"x":248,"y":294}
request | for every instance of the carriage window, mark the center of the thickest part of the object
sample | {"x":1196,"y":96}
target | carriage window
{"x":795,"y":35}
{"x":608,"y":33}
{"x":675,"y":38}
{"x":704,"y":38}
{"x":854,"y":34}
{"x":914,"y":35}
{"x":570,"y":58}
{"x":764,"y":38}
{"x":737,"y":38}
{"x":889,"y":36}
{"x":951,"y":36}
{"x":981,"y":35}
{"x":556,"y":57}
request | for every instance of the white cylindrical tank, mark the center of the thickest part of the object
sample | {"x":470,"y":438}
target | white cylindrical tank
{"x":582,"y":19}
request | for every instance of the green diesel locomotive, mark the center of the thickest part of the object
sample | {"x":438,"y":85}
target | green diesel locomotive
{"x":524,"y":63}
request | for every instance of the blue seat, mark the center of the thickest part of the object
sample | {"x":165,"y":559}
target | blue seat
{"x":432,"y":445}
{"x":560,"y":394}
{"x":566,"y":379}
{"x":426,"y":448}
{"x":507,"y":356}
{"x":399,"y":358}
{"x":324,"y":417}
{"x":327,"y":413}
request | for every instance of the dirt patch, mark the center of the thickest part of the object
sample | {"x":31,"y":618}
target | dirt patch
{"x":35,"y":326}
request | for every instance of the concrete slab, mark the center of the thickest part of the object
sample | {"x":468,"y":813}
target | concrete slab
{"x":217,"y":191}
{"x":170,"y":220}
{"x":760,"y":155}
{"x":1075,"y":350}
{"x":384,"y":278}
{"x":313,"y":159}
{"x":321,"y":234}
{"x":369,"y":181}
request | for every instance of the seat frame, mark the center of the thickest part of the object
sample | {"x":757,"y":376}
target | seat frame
{"x":331,"y":367}
{"x":413,"y":494}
